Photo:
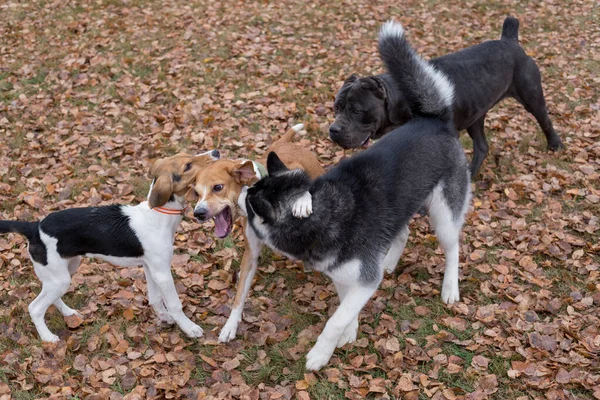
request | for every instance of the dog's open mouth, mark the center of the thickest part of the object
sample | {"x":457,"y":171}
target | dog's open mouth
{"x":223,"y":223}
{"x":365,"y":144}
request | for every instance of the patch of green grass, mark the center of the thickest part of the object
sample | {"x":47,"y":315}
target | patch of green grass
{"x":326,"y":390}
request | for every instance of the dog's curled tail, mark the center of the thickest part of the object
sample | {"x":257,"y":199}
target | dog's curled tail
{"x":510,"y":29}
{"x":28,"y":229}
{"x":287,"y":136}
{"x":429,"y":92}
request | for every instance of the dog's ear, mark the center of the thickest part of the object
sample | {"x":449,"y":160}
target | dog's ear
{"x":274,"y":164}
{"x":162,"y":189}
{"x":351,"y":78}
{"x":261,"y":207}
{"x":245,"y":173}
{"x":374,"y":84}
{"x":397,"y":108}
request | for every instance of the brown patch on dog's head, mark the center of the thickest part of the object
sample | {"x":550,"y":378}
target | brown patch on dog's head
{"x":173,"y":175}
{"x":217,"y":188}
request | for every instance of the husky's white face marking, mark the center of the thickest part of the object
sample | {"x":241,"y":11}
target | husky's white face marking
{"x":242,"y":201}
{"x":302,"y":207}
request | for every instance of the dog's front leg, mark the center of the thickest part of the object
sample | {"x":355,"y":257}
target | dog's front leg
{"x":252,"y":248}
{"x":354,"y":300}
{"x":155,"y":299}
{"x":161,"y":274}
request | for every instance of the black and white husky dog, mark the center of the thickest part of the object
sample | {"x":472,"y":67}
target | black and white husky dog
{"x":356,"y":216}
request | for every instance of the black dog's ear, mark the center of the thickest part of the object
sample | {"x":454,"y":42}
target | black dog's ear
{"x":261,"y":207}
{"x":375,"y":84}
{"x":351,"y":78}
{"x":274,"y":164}
{"x":397,"y":107}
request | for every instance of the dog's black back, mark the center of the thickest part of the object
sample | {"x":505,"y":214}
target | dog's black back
{"x":101,"y":230}
{"x":483,"y":75}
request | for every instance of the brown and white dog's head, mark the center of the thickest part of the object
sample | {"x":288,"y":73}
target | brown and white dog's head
{"x":217,"y":189}
{"x":173,"y":175}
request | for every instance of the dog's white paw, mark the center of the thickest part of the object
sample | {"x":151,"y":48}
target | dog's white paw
{"x":193,"y":331}
{"x":50,"y":337}
{"x":228,"y":331}
{"x":317,"y":358}
{"x":349,"y":334}
{"x":450,"y":292}
{"x":302,"y":208}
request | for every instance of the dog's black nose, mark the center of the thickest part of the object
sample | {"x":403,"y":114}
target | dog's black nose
{"x":200,"y":213}
{"x":335,"y":132}
{"x":215,"y":154}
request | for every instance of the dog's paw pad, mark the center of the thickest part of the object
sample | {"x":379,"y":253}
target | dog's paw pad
{"x":302,"y":208}
{"x":166,"y":318}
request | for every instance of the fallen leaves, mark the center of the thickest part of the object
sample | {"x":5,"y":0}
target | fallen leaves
{"x":86,"y":106}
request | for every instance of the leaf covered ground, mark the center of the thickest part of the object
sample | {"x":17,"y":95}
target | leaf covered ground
{"x":91,"y":92}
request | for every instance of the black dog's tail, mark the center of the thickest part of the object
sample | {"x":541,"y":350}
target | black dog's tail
{"x":510,"y":29}
{"x":429,"y":92}
{"x":28,"y":229}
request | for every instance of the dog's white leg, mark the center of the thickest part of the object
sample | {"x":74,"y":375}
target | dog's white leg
{"x":55,"y":280}
{"x":155,"y":300}
{"x":252,"y":248}
{"x":302,"y":207}
{"x":354,"y":300}
{"x":164,"y":281}
{"x":393,"y":256}
{"x":350,"y":332}
{"x":64,"y":309}
{"x":447,"y":231}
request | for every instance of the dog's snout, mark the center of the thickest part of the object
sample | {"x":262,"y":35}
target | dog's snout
{"x":200,"y":213}
{"x":334,"y":130}
{"x":215,"y":154}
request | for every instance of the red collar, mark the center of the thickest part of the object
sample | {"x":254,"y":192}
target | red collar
{"x":169,"y":211}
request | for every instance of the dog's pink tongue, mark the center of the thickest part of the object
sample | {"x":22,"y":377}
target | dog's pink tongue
{"x":221,"y":225}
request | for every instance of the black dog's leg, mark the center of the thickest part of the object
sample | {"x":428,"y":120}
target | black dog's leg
{"x":480,"y":145}
{"x":529,"y":92}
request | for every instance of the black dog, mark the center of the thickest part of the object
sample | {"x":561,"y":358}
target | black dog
{"x":371,"y":106}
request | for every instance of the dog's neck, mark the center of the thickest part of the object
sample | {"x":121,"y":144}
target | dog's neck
{"x":175,"y":206}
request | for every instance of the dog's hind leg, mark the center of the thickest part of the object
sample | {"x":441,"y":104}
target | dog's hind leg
{"x":393,"y":256}
{"x":447,"y":222}
{"x":528,"y":91}
{"x":64,"y":309}
{"x":480,"y":145}
{"x":55,"y":280}
{"x":248,"y":268}
{"x":155,"y":299}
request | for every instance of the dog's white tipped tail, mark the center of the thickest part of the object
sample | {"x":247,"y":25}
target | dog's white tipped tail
{"x":428,"y":90}
{"x":391,"y":29}
{"x":298,"y":127}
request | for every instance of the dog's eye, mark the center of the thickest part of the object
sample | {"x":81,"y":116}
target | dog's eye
{"x":336,"y":109}
{"x":218,"y":188}
{"x":356,"y":112}
{"x":187,"y":167}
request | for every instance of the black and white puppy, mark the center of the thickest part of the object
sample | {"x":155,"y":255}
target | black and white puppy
{"x":369,"y":107}
{"x":356,"y":216}
{"x":123,"y":235}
